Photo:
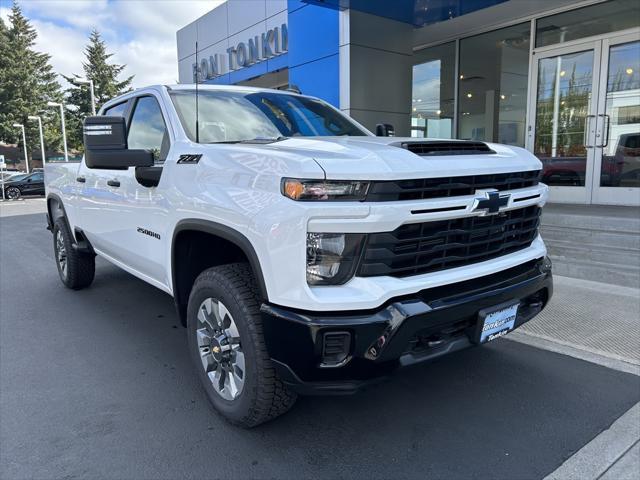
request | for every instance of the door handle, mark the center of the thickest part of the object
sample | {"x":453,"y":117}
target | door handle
{"x":81,"y":179}
{"x":605,"y":141}
{"x":113,"y":183}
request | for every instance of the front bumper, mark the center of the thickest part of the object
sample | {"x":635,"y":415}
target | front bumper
{"x":404,"y":331}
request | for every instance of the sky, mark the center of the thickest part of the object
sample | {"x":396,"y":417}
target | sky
{"x":140,"y":33}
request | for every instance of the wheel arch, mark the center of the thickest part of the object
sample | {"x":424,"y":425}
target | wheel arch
{"x":55,"y":210}
{"x":191,"y":232}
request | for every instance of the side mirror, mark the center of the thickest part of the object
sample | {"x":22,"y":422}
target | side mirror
{"x":29,"y":180}
{"x":385,"y":130}
{"x":105,"y":145}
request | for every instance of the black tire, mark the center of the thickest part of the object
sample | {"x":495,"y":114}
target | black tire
{"x":13,"y":193}
{"x":263,"y":396}
{"x":80,"y":267}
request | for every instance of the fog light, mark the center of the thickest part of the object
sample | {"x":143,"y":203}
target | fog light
{"x":335,"y":348}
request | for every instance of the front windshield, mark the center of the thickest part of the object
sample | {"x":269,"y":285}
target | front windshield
{"x":227,"y":116}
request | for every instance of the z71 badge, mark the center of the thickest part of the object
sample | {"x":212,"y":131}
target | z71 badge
{"x":190,"y":158}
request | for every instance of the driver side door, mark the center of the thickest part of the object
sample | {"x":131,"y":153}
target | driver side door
{"x":34,"y":184}
{"x":129,"y":219}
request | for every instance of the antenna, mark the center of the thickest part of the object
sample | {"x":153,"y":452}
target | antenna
{"x":197,"y":79}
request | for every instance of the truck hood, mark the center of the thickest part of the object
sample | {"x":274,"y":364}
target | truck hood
{"x":382,"y":158}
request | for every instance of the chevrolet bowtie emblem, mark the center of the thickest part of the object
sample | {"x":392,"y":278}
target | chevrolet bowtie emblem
{"x":216,"y":349}
{"x":491,"y":202}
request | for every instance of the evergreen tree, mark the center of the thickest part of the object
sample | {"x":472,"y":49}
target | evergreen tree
{"x":105,"y":82}
{"x":27,"y":83}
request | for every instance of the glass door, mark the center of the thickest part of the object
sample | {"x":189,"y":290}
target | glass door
{"x":616,"y":177}
{"x":563,"y":120}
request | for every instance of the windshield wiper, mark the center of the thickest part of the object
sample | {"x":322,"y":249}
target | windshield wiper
{"x":259,"y":140}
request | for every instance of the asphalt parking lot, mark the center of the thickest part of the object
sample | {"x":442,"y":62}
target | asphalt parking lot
{"x":98,"y":383}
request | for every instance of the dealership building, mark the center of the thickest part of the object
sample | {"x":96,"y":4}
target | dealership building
{"x":560,"y":78}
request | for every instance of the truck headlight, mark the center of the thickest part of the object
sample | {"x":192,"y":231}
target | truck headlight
{"x":332,"y":257}
{"x":327,"y":190}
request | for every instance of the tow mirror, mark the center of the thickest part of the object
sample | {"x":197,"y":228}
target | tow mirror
{"x":385,"y":130}
{"x":105,"y":145}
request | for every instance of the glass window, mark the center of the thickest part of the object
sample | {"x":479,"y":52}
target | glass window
{"x":245,"y":116}
{"x":147,"y":130}
{"x":37,"y":177}
{"x":587,"y":21}
{"x":563,"y":104}
{"x":117,"y":110}
{"x":432,"y":94}
{"x":492,"y":92}
{"x":621,"y":149}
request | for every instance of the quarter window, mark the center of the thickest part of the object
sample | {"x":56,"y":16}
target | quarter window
{"x":147,"y":130}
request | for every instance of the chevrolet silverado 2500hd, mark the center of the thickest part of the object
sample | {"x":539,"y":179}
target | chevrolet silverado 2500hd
{"x":304,"y":254}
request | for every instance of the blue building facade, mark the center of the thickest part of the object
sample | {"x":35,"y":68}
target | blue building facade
{"x":483,"y":70}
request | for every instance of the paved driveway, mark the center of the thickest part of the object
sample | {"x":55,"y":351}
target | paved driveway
{"x":98,"y":383}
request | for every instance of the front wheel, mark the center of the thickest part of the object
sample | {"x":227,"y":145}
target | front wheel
{"x":228,"y":349}
{"x":13,"y":193}
{"x":76,"y":269}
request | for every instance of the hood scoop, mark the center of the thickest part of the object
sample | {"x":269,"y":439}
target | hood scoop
{"x":444,"y":147}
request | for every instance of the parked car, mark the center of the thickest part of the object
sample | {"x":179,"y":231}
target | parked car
{"x":24,"y":184}
{"x":7,"y":174}
{"x":304,"y":254}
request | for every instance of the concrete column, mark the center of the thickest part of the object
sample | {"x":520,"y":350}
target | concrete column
{"x":377,"y":88}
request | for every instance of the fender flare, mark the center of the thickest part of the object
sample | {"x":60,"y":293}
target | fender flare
{"x":50,"y":214}
{"x":227,"y":233}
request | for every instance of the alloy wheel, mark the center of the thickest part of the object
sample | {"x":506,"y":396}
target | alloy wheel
{"x":61,"y":253}
{"x":220,"y":349}
{"x":13,"y":193}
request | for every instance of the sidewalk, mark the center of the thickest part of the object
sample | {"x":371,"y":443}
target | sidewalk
{"x":595,"y":317}
{"x":600,"y":323}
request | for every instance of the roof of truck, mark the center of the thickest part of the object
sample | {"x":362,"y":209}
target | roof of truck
{"x":192,"y":87}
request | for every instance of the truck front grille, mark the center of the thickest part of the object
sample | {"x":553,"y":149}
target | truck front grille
{"x":424,"y":188}
{"x":419,"y":248}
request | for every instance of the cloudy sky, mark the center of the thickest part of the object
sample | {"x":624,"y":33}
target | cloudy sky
{"x":140,"y":33}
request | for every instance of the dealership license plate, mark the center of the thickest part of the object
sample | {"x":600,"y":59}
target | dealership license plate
{"x":498,"y":321}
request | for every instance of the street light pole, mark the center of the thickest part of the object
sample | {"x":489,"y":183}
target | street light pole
{"x":34,"y":117}
{"x":24,"y":144}
{"x":81,"y":81}
{"x":64,"y":132}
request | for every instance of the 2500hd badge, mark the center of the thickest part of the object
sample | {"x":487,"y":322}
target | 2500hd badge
{"x":304,"y":254}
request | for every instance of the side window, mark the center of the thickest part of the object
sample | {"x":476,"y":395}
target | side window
{"x":37,"y":177}
{"x":147,"y":130}
{"x":117,"y":110}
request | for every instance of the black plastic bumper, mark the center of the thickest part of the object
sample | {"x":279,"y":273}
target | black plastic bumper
{"x":402,"y":332}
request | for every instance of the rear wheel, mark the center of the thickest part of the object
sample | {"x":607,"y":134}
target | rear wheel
{"x":228,"y":348}
{"x":76,"y":269}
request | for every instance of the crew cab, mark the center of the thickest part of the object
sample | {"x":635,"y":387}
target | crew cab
{"x":304,"y":254}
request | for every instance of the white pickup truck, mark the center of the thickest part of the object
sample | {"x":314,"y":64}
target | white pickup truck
{"x":304,"y":254}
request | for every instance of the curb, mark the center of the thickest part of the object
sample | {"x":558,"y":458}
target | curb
{"x":598,"y":456}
